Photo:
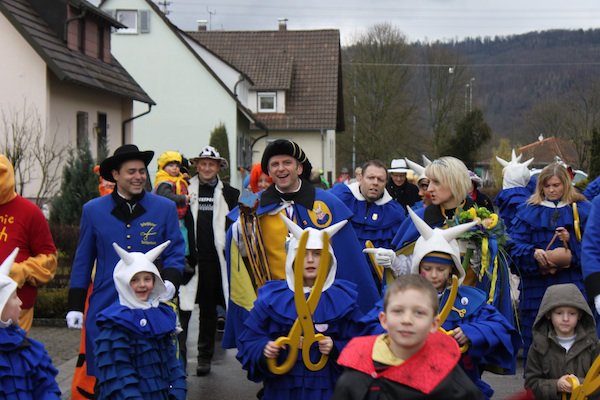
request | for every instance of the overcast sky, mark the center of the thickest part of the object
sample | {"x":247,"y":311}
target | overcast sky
{"x":417,"y":19}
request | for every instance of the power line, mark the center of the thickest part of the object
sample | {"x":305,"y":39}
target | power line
{"x":484,"y":65}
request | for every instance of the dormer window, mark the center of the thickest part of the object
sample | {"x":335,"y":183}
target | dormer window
{"x":267,"y":102}
{"x":129,"y":18}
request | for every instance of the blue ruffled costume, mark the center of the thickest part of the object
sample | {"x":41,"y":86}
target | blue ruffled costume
{"x":273,"y":315}
{"x":352,"y":264}
{"x":494,"y":340}
{"x":533,"y":227}
{"x":508,"y":200}
{"x":136,"y":354}
{"x":26,"y":370}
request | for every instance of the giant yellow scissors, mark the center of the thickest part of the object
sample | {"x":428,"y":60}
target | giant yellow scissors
{"x":590,"y":385}
{"x":448,"y":307}
{"x":303,"y":331}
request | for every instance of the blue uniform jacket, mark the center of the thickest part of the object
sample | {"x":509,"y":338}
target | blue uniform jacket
{"x":99,"y":228}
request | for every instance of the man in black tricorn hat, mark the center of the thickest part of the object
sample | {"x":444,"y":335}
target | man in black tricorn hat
{"x":134,"y":219}
{"x":292,"y":193}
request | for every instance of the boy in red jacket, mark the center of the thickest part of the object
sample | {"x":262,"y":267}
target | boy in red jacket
{"x":413,"y":360}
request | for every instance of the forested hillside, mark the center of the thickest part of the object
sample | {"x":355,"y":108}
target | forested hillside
{"x":513,"y":74}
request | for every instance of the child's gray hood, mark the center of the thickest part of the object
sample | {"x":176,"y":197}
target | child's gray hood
{"x":564,"y":295}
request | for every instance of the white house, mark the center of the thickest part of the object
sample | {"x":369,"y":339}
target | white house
{"x":58,"y":71}
{"x":195,"y":90}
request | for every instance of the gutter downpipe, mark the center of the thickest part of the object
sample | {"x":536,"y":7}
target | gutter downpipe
{"x":128,"y":120}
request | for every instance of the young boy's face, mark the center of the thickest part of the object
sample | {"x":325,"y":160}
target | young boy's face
{"x":409,"y":319}
{"x":172,"y":169}
{"x":142,"y":284}
{"x":311,"y":266}
{"x":436,"y":273}
{"x":12,"y":309}
{"x":564,"y":319}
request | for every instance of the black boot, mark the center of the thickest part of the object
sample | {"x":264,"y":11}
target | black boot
{"x":206,"y":344}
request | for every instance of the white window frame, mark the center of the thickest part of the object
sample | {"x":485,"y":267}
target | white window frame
{"x":265,"y":95}
{"x":130,"y":29}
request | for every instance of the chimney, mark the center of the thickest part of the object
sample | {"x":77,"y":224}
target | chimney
{"x":282,"y":24}
{"x":202,"y":23}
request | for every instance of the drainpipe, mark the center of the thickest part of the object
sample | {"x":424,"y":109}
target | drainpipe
{"x":128,"y":120}
{"x":240,"y":80}
{"x":69,"y":20}
{"x":264,"y":128}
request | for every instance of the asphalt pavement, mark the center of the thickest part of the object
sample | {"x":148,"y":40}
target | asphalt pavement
{"x":226,"y":381}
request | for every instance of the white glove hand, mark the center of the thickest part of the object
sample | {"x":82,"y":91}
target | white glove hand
{"x":170,"y":293}
{"x":74,"y":319}
{"x":597,"y":303}
{"x":383,"y":257}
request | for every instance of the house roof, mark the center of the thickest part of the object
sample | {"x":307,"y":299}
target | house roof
{"x":306,"y":64}
{"x":544,"y":151}
{"x":69,"y":65}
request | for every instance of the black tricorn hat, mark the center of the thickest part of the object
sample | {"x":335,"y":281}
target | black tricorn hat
{"x":289,"y":148}
{"x":124,"y":153}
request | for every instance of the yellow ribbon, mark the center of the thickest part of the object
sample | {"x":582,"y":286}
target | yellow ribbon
{"x":576,"y":224}
{"x":484,"y":257}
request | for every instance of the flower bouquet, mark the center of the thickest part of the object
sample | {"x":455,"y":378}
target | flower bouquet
{"x":485,"y":254}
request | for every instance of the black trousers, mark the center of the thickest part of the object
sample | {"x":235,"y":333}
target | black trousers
{"x":209,"y":296}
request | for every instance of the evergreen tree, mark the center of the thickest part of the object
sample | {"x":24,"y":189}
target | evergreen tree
{"x":471,"y":133}
{"x":79,"y":184}
{"x":219,"y":140}
{"x":595,"y":155}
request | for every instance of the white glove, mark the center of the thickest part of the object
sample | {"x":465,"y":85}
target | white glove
{"x":597,"y":303}
{"x":74,"y":319}
{"x":170,"y":293}
{"x":383,"y":257}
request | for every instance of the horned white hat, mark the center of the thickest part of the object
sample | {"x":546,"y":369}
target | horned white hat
{"x":7,"y":285}
{"x":419,"y":170}
{"x":129,"y":265}
{"x":438,"y":240}
{"x":515,"y":173}
{"x":315,"y":241}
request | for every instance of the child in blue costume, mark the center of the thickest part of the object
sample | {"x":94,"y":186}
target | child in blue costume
{"x":136,"y":354}
{"x":490,"y":342}
{"x":26,"y":370}
{"x":515,"y":177}
{"x":549,"y":210}
{"x":275,"y":312}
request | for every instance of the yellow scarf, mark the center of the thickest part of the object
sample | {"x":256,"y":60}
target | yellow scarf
{"x":163,"y":176}
{"x":382,"y":353}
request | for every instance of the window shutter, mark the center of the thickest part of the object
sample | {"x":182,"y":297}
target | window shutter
{"x":144,"y":21}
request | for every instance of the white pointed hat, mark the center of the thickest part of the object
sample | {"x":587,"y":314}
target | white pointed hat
{"x":7,"y":285}
{"x":439,"y":241}
{"x":129,"y":265}
{"x":419,"y":169}
{"x":315,"y":241}
{"x":515,"y":173}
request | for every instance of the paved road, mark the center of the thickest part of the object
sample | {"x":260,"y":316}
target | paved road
{"x":226,"y":381}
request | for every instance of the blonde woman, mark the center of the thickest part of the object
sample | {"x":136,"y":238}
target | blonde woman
{"x":551,"y":210}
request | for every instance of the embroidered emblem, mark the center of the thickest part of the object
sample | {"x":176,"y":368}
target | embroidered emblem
{"x":148,"y":233}
{"x":320,"y":215}
{"x":464,"y":301}
{"x":321,"y":327}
